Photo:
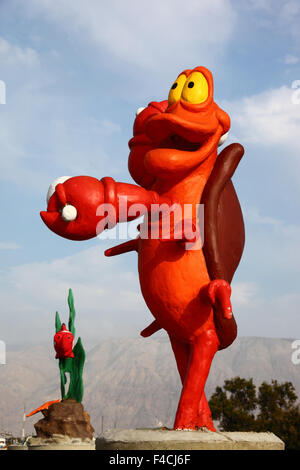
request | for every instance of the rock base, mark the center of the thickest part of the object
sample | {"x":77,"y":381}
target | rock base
{"x":158,"y":439}
{"x":66,"y":418}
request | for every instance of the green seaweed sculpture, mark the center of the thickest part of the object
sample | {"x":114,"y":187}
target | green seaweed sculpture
{"x":72,"y":365}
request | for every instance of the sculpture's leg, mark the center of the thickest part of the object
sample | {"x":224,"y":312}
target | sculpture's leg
{"x":151,"y":329}
{"x":204,"y":414}
{"x":182,"y":353}
{"x":202,"y":351}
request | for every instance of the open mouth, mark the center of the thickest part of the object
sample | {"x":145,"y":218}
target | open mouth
{"x":177,"y":142}
{"x":171,"y":132}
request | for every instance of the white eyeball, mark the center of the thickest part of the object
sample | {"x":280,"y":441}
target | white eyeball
{"x":69,"y":213}
{"x":222,"y":140}
{"x":53,"y":185}
{"x":139,"y":110}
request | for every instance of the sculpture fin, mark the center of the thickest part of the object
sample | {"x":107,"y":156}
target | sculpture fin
{"x":151,"y":329}
{"x":223,"y":245}
{"x":131,"y":245}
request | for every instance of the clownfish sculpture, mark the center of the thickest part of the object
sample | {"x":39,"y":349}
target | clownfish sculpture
{"x":63,"y":343}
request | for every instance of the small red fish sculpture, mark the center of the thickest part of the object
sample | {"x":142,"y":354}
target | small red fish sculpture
{"x":63,"y":343}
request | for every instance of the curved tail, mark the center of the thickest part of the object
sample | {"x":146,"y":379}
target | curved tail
{"x":224,"y":233}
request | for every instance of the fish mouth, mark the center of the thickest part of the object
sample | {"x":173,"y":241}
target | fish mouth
{"x":169,"y":131}
{"x":177,"y":142}
{"x":173,"y":141}
{"x":179,"y":146}
{"x":140,"y":139}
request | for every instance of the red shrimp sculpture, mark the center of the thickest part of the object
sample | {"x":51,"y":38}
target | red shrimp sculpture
{"x":184,"y":277}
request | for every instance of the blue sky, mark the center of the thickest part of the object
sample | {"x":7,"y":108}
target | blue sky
{"x":75,"y":73}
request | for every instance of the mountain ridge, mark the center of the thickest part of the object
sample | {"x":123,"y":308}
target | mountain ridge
{"x":132,"y":382}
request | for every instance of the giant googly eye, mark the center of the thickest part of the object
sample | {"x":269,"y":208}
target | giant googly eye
{"x":176,"y":89}
{"x":195,"y":89}
{"x":53,"y":185}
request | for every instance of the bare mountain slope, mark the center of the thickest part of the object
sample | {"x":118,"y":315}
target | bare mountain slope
{"x":133,"y":382}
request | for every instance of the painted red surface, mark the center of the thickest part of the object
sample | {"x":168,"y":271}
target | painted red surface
{"x":63,"y":343}
{"x":43,"y":407}
{"x":172,"y":154}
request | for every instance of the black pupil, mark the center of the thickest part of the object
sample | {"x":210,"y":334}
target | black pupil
{"x":191,"y":84}
{"x":174,"y":86}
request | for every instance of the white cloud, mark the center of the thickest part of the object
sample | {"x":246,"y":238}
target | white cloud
{"x":260,"y":5}
{"x":242,"y":293}
{"x":64,"y":142}
{"x":147,"y":34}
{"x":106,"y":127}
{"x":106,"y":292}
{"x":265,"y":295}
{"x":88,"y":270}
{"x":269,"y":118}
{"x":281,"y":17}
{"x":291,"y":59}
{"x":277,"y":316}
{"x":9,"y":246}
{"x":254,"y":216}
{"x":45,"y":132}
{"x":13,"y":55}
{"x":268,"y":124}
{"x":290,"y":10}
{"x":272,"y":252}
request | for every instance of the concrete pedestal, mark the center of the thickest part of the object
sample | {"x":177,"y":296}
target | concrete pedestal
{"x":158,"y":439}
{"x":60,"y":442}
{"x":17,"y":447}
